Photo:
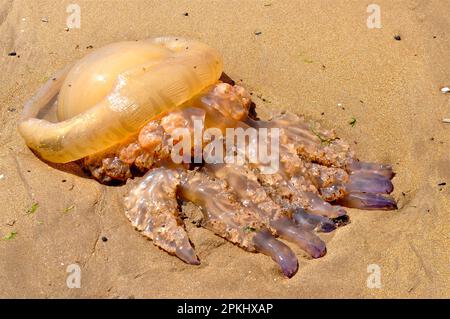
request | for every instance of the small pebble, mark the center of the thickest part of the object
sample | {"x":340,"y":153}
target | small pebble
{"x":45,"y":20}
{"x":104,"y":239}
{"x":397,"y":37}
{"x":11,"y":109}
{"x":186,"y":14}
{"x":66,"y":29}
{"x":13,"y":53}
{"x":445,"y":89}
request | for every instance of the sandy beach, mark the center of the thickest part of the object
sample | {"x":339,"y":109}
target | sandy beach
{"x":317,"y":58}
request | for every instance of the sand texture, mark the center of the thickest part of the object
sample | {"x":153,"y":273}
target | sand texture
{"x":316,"y":58}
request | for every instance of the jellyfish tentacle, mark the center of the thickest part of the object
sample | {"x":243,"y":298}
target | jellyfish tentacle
{"x":228,"y":218}
{"x":153,"y":210}
{"x":309,"y":141}
{"x":313,"y":222}
{"x":362,"y":182}
{"x":251,"y":194}
{"x":371,"y":168}
{"x":268,"y":245}
{"x":295,"y":174}
{"x":368,"y":201}
{"x":334,"y":171}
{"x":304,"y":238}
{"x":223,"y":214}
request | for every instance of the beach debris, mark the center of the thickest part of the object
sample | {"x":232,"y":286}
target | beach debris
{"x":32,"y":209}
{"x":12,"y":53}
{"x":446,"y":120}
{"x":66,"y":29}
{"x":2,"y":176}
{"x":304,"y":58}
{"x":10,"y":236}
{"x":445,"y":90}
{"x":323,"y":139}
{"x":11,"y":222}
{"x":258,"y":32}
{"x":68,"y":209}
{"x":90,"y":46}
{"x":262,"y":98}
{"x":44,"y":79}
{"x":44,"y":19}
{"x":104,"y":239}
{"x":442,"y":186}
{"x":186,"y":14}
{"x":341,"y":106}
{"x":352,"y":122}
{"x":397,"y":37}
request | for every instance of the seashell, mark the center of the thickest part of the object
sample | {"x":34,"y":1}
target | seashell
{"x":112,"y":92}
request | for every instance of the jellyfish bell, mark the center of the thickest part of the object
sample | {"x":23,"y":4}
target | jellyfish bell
{"x":113,"y":92}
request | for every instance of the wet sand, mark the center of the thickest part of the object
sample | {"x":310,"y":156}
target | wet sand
{"x":316,"y":58}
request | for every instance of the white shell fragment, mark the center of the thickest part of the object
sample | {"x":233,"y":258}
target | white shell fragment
{"x":445,"y":89}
